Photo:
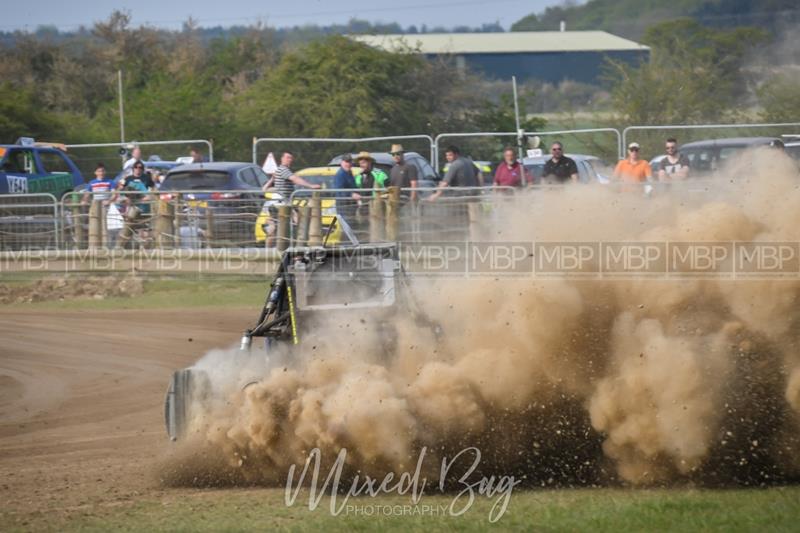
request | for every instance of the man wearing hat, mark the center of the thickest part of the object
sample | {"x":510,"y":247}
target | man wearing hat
{"x":633,"y":169}
{"x":370,"y":177}
{"x":343,"y":180}
{"x":402,"y":174}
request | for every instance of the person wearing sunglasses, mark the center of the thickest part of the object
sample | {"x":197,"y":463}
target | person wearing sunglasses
{"x":403,"y":174}
{"x":559,"y":168}
{"x":633,"y":169}
{"x":674,"y":166}
{"x":140,"y":174}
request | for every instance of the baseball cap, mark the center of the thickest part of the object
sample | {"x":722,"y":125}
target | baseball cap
{"x":348,"y":158}
{"x":633,"y":145}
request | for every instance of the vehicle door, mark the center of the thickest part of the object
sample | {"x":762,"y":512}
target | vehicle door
{"x":59,"y":175}
{"x":18,"y":166}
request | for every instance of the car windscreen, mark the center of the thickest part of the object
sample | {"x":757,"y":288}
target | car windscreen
{"x":204,"y":180}
{"x":319,"y":179}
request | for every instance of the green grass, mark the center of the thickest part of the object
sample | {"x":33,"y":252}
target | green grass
{"x":169,"y":293}
{"x":775,"y":509}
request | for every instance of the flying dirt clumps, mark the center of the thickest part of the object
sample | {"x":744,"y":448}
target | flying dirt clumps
{"x":55,"y":288}
{"x":642,"y":379}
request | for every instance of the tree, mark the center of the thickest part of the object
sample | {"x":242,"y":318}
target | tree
{"x":695,"y":75}
{"x":780,"y":98}
{"x":337,"y":87}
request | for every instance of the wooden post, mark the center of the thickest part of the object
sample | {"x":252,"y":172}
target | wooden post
{"x":376,"y":219}
{"x":176,"y":224}
{"x":284,"y":219}
{"x":473,"y":213}
{"x":393,"y":214}
{"x":77,"y":220}
{"x":315,"y":222}
{"x":209,"y":224}
{"x":301,"y":238}
{"x":103,"y":225}
{"x":164,"y":224}
{"x":95,"y":230}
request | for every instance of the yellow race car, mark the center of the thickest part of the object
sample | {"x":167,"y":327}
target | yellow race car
{"x":323,"y":176}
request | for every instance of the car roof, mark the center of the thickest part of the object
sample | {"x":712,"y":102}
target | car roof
{"x":220,"y":167}
{"x":382,"y":158}
{"x":732,"y":142}
{"x":318,"y":171}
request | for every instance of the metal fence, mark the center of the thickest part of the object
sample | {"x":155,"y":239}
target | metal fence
{"x":29,"y":220}
{"x":651,"y":138}
{"x":86,"y":156}
{"x":252,"y":219}
{"x":312,"y":151}
{"x":410,"y":215}
{"x":605,"y":143}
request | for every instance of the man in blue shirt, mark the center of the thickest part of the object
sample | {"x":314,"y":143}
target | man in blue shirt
{"x":346,"y":202}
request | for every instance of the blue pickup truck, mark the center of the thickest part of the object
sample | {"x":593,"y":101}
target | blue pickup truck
{"x":31,"y":167}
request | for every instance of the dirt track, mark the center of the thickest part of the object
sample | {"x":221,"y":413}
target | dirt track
{"x":81,"y":400}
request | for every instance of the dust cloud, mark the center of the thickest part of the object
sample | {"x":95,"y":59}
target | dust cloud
{"x":558,"y":381}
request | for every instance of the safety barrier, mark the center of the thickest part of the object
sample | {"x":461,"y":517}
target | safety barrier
{"x":411,"y":215}
{"x":319,"y":151}
{"x":29,"y":221}
{"x":89,"y":155}
{"x":484,"y":146}
{"x":652,"y":137}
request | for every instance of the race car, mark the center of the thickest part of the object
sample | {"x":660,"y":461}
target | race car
{"x":28,"y":167}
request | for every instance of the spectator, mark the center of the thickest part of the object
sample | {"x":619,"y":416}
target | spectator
{"x":402,"y":174}
{"x":461,"y":172}
{"x":370,"y":177}
{"x":100,"y":188}
{"x":284,"y":180}
{"x":136,"y":155}
{"x":343,"y":179}
{"x":138,"y":173}
{"x":674,"y":166}
{"x":196,"y":155}
{"x":135,"y":209}
{"x":633,"y":169}
{"x":510,"y":173}
{"x":559,"y":168}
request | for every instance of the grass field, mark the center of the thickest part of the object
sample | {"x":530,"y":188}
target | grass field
{"x":169,"y":293}
{"x":776,"y":509}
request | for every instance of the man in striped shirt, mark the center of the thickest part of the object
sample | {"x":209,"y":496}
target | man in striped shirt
{"x":284,"y":180}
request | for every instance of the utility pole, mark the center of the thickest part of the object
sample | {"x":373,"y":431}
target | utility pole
{"x":121,"y":109}
{"x":520,"y":132}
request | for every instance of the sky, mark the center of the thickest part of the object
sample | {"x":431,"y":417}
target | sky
{"x":279,"y":13}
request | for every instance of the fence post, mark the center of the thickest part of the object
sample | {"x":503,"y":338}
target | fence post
{"x":392,"y":213}
{"x":176,"y":224}
{"x":284,"y":219}
{"x":209,"y":225}
{"x":315,"y":223}
{"x":302,"y":225}
{"x":95,"y":229}
{"x":164,"y":227}
{"x":473,"y":213}
{"x":376,"y":219}
{"x":103,"y":225}
{"x":77,"y":222}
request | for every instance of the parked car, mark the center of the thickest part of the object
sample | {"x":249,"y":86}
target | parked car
{"x":708,"y":156}
{"x":222,"y":200}
{"x":385,"y":162}
{"x":30,"y":167}
{"x":588,"y":168}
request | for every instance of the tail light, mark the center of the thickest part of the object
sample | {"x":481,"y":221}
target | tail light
{"x":224,"y":195}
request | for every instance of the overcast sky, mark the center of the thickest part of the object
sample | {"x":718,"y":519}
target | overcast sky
{"x":171,"y":13}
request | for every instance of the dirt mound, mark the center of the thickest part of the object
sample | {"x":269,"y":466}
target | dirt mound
{"x":71,"y":287}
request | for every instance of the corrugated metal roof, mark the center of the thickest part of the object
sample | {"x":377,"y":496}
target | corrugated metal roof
{"x":499,"y":43}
